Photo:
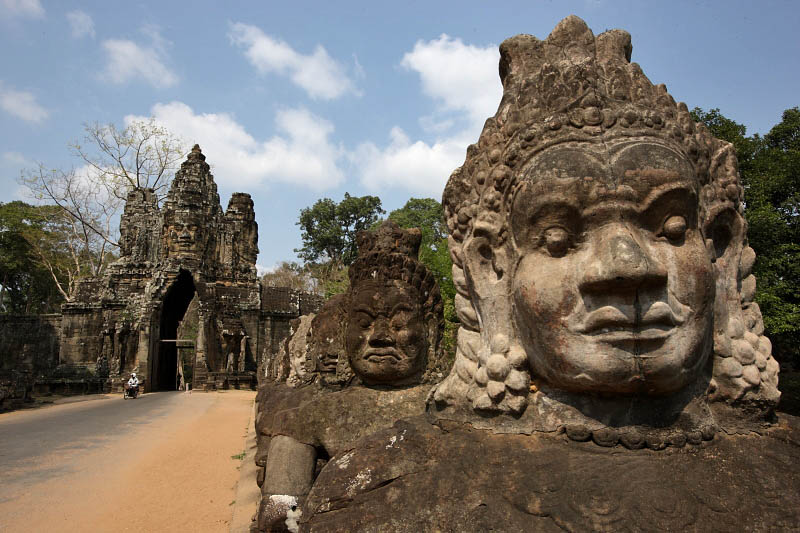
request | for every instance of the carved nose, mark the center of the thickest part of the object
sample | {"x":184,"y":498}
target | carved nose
{"x":381,"y":336}
{"x":622,"y":264}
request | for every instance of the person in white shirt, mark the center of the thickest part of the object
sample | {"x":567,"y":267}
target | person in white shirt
{"x":133,"y":384}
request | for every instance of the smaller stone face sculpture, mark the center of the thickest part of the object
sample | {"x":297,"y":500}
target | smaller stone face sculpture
{"x":386,"y":331}
{"x":326,"y":342}
{"x":297,"y":347}
{"x":395,"y":318}
{"x":386,"y":335}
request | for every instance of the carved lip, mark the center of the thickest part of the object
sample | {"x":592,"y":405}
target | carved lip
{"x":329,"y":359}
{"x":610,"y":324}
{"x":377,"y":354}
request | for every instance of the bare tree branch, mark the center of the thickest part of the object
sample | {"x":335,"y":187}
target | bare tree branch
{"x":142,"y":155}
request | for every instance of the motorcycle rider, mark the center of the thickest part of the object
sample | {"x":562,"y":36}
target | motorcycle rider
{"x":133,"y":385}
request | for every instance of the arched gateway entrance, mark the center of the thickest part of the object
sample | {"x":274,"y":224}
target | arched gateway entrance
{"x":163,"y":372}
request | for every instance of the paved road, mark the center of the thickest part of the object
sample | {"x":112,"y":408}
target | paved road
{"x":29,"y":439}
{"x":86,"y":466}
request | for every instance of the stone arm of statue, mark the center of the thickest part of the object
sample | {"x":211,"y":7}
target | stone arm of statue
{"x":289,"y":475}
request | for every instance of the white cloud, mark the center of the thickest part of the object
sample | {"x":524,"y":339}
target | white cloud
{"x":127,"y":60}
{"x":318,"y":74}
{"x":22,"y":105}
{"x":301,"y":153}
{"x":464,"y":84}
{"x":459,"y":77}
{"x":15,"y":159}
{"x":81,"y":23}
{"x":416,"y":166}
{"x":22,"y":8}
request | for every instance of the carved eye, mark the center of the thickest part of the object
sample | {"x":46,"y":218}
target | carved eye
{"x":557,"y":241}
{"x":674,"y":228}
{"x":363,"y":320}
{"x":400,"y":320}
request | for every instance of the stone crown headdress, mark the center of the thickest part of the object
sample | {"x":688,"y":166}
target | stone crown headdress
{"x":390,"y":253}
{"x":574,"y":86}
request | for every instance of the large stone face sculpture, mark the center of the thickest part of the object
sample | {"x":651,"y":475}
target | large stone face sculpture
{"x":599,"y":248}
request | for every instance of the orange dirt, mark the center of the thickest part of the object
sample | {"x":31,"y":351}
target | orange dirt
{"x":175,"y":474}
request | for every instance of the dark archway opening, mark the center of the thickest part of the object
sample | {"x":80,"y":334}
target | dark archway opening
{"x":176,"y":301}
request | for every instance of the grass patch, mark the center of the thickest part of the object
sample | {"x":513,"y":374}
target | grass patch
{"x":238,"y":456}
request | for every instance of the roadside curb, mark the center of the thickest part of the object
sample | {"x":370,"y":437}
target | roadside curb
{"x":247,"y":491}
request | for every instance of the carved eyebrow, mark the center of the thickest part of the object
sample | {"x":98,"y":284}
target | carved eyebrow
{"x":402,"y":306}
{"x":650,"y":201}
{"x":365,"y":310}
{"x":682,"y":186}
{"x":543,"y":201}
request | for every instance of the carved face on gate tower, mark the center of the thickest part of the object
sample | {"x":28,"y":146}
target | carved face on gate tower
{"x":184,"y":234}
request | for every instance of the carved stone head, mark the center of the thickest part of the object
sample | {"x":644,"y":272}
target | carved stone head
{"x":326,"y":342}
{"x":297,"y":351}
{"x":598,"y":241}
{"x":191,"y":208}
{"x":184,"y":234}
{"x":395,"y":318}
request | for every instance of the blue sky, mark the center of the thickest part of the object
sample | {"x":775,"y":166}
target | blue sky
{"x":295,"y":101}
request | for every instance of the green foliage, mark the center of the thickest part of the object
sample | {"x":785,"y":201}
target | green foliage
{"x":26,"y":286}
{"x":770,"y":172}
{"x":329,"y":233}
{"x":329,"y":229}
{"x":427,"y":215}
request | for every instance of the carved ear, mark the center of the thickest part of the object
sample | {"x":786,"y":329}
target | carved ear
{"x":485,"y":262}
{"x":724,"y":233}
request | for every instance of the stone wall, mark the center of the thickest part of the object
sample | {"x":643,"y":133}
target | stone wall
{"x":29,"y":343}
{"x":29,"y":346}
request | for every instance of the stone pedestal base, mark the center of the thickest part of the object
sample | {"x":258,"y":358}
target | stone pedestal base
{"x":418,"y":476}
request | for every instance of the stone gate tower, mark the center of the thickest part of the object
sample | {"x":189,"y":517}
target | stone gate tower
{"x":187,"y":249}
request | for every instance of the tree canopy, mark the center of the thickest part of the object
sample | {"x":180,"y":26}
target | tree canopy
{"x":770,"y":172}
{"x":26,"y":284}
{"x":328,"y":230}
{"x":290,"y":274}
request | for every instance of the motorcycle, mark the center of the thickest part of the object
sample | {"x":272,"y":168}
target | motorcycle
{"x":130,"y":392}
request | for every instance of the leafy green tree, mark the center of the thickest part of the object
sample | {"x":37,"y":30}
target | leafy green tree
{"x":328,"y":230}
{"x":770,"y":172}
{"x":427,"y":215}
{"x":26,"y":285}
